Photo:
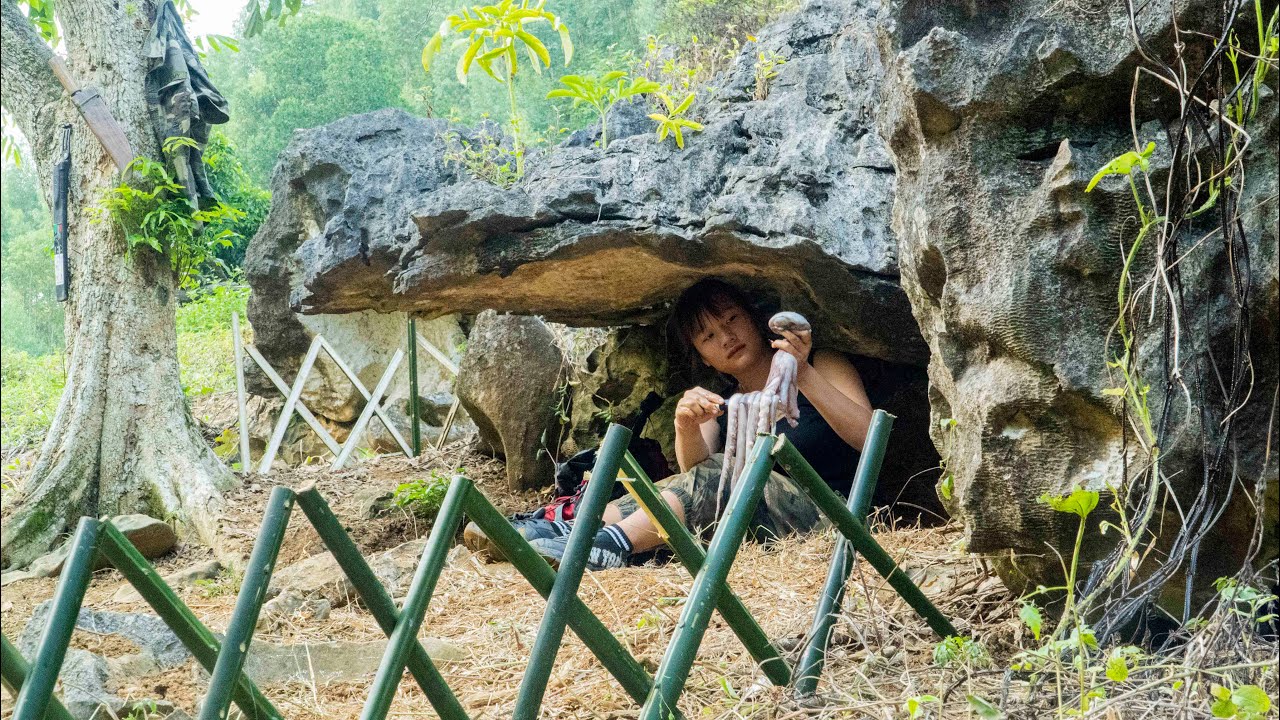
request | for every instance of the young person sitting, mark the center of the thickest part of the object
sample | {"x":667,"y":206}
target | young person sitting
{"x":714,"y":323}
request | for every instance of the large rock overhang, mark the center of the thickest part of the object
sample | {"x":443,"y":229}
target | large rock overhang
{"x":789,"y":196}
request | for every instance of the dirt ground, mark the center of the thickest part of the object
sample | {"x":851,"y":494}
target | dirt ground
{"x":490,"y":612}
{"x":881,"y":655}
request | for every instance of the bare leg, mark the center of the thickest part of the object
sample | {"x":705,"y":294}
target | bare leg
{"x":638,"y":527}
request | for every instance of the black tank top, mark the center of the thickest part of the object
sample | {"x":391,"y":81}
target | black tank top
{"x":833,"y":458}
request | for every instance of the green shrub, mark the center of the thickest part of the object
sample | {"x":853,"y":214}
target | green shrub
{"x":205,"y":345}
{"x":423,"y":496}
{"x":30,"y":388}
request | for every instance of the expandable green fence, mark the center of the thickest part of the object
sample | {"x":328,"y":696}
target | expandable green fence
{"x":658,"y":695}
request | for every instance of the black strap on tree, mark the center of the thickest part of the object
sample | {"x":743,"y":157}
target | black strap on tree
{"x":61,"y":186}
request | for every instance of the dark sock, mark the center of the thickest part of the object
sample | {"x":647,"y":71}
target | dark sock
{"x":612,"y":538}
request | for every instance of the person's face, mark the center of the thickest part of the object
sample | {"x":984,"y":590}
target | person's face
{"x":728,"y":340}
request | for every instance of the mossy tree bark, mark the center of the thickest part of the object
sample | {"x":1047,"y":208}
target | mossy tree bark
{"x":123,"y":439}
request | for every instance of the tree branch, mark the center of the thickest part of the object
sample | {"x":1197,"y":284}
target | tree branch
{"x":28,"y":87}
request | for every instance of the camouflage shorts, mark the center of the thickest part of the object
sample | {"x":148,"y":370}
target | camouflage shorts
{"x":784,"y":509}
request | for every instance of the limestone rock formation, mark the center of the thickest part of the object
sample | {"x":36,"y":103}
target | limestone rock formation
{"x":509,"y":384}
{"x":996,"y":122}
{"x":319,"y":172}
{"x":791,"y":194}
{"x":973,"y":131}
{"x":617,"y":378}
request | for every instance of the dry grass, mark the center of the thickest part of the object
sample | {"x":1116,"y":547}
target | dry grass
{"x":882,"y":653}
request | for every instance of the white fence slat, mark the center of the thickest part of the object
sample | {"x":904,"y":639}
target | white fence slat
{"x":277,"y":436}
{"x":440,"y":357}
{"x":242,"y":408}
{"x":370,"y":407}
{"x":355,"y":380}
{"x":301,"y":409}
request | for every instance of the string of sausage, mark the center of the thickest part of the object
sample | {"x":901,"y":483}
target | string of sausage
{"x":755,"y":413}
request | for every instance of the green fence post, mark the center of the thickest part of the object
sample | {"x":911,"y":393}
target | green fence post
{"x":415,"y":423}
{"x":546,"y":644}
{"x":405,"y":635}
{"x":829,"y":502}
{"x":253,"y":591}
{"x":615,"y":658}
{"x":673,"y":672}
{"x":376,"y":599}
{"x":864,"y":487}
{"x":14,"y":670}
{"x":33,"y":698}
{"x":690,"y":553}
{"x":193,"y":635}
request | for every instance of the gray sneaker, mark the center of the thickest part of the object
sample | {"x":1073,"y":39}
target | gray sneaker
{"x":476,"y":540}
{"x":609,"y":550}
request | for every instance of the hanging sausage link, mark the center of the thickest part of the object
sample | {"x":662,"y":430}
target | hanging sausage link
{"x":755,"y":413}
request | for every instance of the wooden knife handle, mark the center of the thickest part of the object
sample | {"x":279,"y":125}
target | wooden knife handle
{"x":64,"y":76}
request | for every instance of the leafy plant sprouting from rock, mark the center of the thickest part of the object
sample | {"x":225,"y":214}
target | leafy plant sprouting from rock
{"x":602,"y":93}
{"x":1185,"y":391}
{"x":485,"y":158}
{"x":673,"y":121}
{"x":766,"y":69}
{"x":494,"y":37}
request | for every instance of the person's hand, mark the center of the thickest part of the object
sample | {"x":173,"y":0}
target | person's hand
{"x":697,"y":406}
{"x":797,"y":343}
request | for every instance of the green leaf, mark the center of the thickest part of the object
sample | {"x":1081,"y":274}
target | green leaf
{"x":464,"y":65}
{"x":684,"y":105}
{"x":534,"y":44}
{"x":533,"y":60}
{"x":565,"y":43}
{"x":429,"y":52}
{"x":1030,"y":616}
{"x":1251,"y":699}
{"x":1124,"y":165}
{"x":1223,"y":708}
{"x":253,"y":26}
{"x":1117,"y":668}
{"x":947,"y":486}
{"x":1080,"y":502}
{"x":983,"y":708}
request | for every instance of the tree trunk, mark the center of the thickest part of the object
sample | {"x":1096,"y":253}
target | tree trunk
{"x":123,"y":439}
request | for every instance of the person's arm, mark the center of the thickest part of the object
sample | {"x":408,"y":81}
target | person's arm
{"x":832,"y":384}
{"x":697,"y":433}
{"x":834,"y":387}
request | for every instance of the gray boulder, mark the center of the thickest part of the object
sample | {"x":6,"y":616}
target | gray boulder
{"x":615,"y":379}
{"x":509,"y":383}
{"x":996,"y":122}
{"x":150,"y":536}
{"x":319,"y":577}
{"x":378,"y":163}
{"x":186,"y":577}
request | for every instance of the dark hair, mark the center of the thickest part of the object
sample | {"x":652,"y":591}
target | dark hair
{"x":708,"y":296}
